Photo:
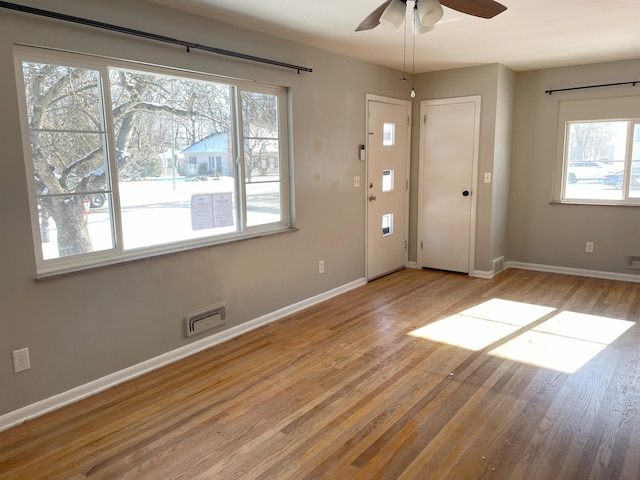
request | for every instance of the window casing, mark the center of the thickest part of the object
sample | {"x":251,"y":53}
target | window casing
{"x":598,"y":153}
{"x":126,"y":161}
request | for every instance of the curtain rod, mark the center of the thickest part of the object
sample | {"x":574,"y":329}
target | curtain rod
{"x":592,"y":86}
{"x":150,"y":36}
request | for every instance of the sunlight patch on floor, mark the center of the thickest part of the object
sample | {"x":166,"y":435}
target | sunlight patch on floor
{"x":480,"y":326}
{"x":591,"y":328}
{"x":507,"y":311}
{"x":564,"y":342}
{"x":465,"y":332}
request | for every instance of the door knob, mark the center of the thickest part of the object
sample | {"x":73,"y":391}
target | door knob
{"x":465,"y":193}
{"x":372,"y":198}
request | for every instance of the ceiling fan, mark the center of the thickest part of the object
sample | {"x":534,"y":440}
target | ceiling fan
{"x":427,"y":13}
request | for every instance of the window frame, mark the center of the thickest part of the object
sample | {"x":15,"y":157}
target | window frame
{"x":118,"y":254}
{"x":593,"y":110}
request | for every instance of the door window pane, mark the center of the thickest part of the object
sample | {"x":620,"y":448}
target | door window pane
{"x":387,"y":180}
{"x":387,"y":224}
{"x":388,"y":134}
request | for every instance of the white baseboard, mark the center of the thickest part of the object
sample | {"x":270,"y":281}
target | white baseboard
{"x":83,"y":391}
{"x":624,"y":277}
{"x":482,"y":274}
{"x":487,"y":275}
{"x":475,"y":273}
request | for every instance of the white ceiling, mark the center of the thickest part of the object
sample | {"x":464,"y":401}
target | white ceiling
{"x":531,"y":34}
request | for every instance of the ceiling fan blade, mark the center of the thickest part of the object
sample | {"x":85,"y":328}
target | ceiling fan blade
{"x":373,"y":19}
{"x":477,"y":8}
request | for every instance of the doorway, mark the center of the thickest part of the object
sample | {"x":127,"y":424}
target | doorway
{"x":449,"y":138}
{"x":387,"y":188}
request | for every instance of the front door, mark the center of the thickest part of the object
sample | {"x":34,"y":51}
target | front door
{"x":387,"y":186}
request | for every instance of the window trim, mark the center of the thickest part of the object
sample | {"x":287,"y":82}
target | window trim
{"x":46,"y":268}
{"x":600,"y":109}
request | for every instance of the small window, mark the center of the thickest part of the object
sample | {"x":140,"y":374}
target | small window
{"x":387,"y":224}
{"x":388,"y":134}
{"x":387,"y":180}
{"x":597,"y":166}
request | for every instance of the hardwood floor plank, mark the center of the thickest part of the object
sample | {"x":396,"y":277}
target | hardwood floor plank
{"x":465,"y":442}
{"x":342,"y":440}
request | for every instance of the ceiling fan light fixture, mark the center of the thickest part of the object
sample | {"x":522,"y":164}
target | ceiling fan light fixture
{"x":429,"y":12}
{"x":418,"y":27}
{"x":393,"y":16}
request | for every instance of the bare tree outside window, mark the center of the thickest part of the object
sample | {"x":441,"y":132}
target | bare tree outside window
{"x":261,"y":153}
{"x":82,"y":169}
{"x":68,"y":138}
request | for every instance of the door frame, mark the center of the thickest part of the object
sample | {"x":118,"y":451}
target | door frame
{"x":474,"y":170}
{"x":402,"y":103}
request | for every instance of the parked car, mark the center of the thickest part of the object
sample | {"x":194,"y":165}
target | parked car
{"x":585,"y":171}
{"x":616,"y":179}
{"x":96,"y":200}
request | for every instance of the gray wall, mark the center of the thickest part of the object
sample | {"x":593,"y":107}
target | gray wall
{"x":502,"y":163}
{"x":86,"y":325}
{"x":543,"y":233}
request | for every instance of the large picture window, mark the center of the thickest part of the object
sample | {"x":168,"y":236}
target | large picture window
{"x":126,"y":161}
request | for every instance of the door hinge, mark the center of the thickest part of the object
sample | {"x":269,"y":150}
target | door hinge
{"x":406,"y":244}
{"x":421,"y":247}
{"x":408,"y":121}
{"x":407,"y":185}
{"x":425,"y":118}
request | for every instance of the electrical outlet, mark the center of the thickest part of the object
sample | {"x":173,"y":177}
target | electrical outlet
{"x":21,"y":360}
{"x":356,"y":181}
{"x":589,"y":247}
{"x":321,"y":266}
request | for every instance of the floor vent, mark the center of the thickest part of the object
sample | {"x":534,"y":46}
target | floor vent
{"x":204,"y":321}
{"x":497,"y":265}
{"x":633,"y":262}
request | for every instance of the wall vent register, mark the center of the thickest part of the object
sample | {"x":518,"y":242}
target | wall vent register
{"x":203,"y":321}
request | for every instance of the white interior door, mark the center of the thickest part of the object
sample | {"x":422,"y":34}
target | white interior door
{"x":387,"y":185}
{"x":449,"y":151}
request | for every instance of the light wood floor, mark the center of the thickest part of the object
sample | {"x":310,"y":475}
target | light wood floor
{"x":343,"y":390}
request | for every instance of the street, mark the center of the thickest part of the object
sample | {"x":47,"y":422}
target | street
{"x":154,"y":212}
